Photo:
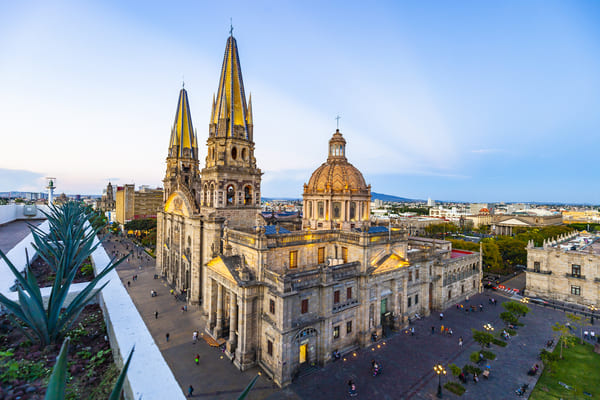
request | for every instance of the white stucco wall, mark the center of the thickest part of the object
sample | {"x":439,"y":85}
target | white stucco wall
{"x":12,"y":212}
{"x":149,"y":377}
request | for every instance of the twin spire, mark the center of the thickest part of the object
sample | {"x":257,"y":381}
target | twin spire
{"x":182,"y":134}
{"x":230,"y":114}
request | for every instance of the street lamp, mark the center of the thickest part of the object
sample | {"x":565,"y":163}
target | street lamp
{"x":525,"y":300}
{"x":488,"y":327}
{"x":592,"y":309}
{"x":439,"y":370}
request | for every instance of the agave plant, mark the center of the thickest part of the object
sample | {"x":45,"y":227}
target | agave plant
{"x":70,"y":238}
{"x":246,"y":391}
{"x":49,"y":324}
{"x":58,"y":380}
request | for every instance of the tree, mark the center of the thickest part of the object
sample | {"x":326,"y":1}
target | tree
{"x":508,"y":318}
{"x":515,"y":308}
{"x":491,"y":256}
{"x":563,"y":332}
{"x":483,"y":338}
{"x":455,"y":370}
{"x":578,"y":321}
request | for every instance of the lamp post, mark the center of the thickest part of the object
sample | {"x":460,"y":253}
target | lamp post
{"x":592,"y":309}
{"x":489,"y":328}
{"x":439,"y":370}
{"x":525,"y":300}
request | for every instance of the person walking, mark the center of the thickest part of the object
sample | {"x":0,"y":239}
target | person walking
{"x":442,"y":330}
{"x":481,"y":308}
{"x":441,"y":316}
{"x":352,"y":388}
{"x":197,"y":359}
{"x":128,"y":284}
{"x":155,"y":314}
{"x":412,"y":331}
{"x":195,"y":337}
{"x":167,"y":336}
{"x":432,"y":329}
{"x":460,"y":342}
{"x":190,"y":391}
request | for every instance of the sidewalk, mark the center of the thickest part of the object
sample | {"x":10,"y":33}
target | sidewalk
{"x":215,"y":377}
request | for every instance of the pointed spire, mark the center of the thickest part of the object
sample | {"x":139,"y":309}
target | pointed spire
{"x":214,"y":106}
{"x":249,"y":115}
{"x":231,"y":114}
{"x":182,"y":133}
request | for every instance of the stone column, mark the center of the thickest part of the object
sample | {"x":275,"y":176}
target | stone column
{"x":232,"y":343}
{"x":219,"y":325}
{"x":210,"y":304}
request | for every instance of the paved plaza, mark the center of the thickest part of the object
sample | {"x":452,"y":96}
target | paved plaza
{"x":407,"y":360}
{"x":15,"y":231}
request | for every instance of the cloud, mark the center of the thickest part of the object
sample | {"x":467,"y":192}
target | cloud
{"x":487,"y":151}
{"x":21,"y":180}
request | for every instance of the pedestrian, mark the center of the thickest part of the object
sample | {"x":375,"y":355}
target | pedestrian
{"x":585,"y":334}
{"x":441,"y":316}
{"x":195,"y":337}
{"x":190,"y":391}
{"x":155,"y":314}
{"x":442,"y":329}
{"x":197,"y":359}
{"x":412,"y":331}
{"x":460,"y":342}
{"x":481,"y":307}
{"x":128,"y":284}
{"x":352,"y":388}
{"x":432,"y":330}
{"x":182,"y":309}
{"x":592,"y":336}
{"x":167,"y":336}
{"x":467,"y":299}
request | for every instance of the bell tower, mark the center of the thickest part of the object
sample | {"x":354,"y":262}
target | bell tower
{"x":230,"y":179}
{"x":182,"y":160}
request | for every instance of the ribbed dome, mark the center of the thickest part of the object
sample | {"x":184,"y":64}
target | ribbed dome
{"x":337,"y":177}
{"x":337,"y":174}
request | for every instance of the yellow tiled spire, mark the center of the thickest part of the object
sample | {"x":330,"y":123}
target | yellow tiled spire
{"x":183,"y":135}
{"x":230,"y":108}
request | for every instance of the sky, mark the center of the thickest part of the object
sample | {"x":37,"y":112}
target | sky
{"x":465,"y":101}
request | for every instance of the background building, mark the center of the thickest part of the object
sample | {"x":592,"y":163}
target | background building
{"x":565,"y":269}
{"x":130,"y":204}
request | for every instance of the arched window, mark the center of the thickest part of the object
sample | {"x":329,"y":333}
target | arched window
{"x":336,"y":209}
{"x":211,"y":195}
{"x":205,"y":195}
{"x":248,"y":195}
{"x":309,"y":209}
{"x":320,"y":209}
{"x":244,"y":154}
{"x":234,"y":153}
{"x":352,"y":210}
{"x":230,"y":195}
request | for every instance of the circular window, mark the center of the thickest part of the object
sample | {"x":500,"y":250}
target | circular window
{"x":234,"y":153}
{"x":243,"y":154}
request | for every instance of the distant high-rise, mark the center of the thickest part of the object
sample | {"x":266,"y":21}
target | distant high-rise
{"x":430,"y":202}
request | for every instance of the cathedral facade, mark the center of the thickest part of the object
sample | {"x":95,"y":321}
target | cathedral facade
{"x":286,"y":300}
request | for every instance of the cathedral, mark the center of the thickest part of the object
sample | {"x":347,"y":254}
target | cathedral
{"x":287,"y":300}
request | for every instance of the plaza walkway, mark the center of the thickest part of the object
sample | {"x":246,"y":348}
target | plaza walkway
{"x":215,"y":377}
{"x":15,"y":231}
{"x":407,"y":360}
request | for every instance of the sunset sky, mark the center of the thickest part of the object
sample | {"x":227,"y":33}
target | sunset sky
{"x":472,"y":101}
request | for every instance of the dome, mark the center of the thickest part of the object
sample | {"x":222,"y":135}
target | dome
{"x":337,"y":177}
{"x":337,"y":174}
{"x":484,"y":211}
